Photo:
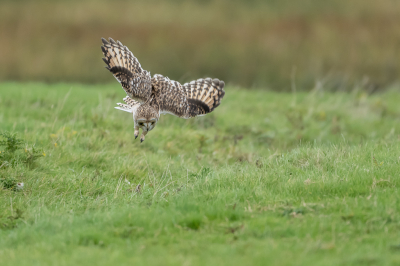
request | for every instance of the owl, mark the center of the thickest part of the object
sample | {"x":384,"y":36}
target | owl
{"x":148,"y":97}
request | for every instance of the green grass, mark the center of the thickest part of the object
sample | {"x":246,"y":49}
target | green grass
{"x":267,"y":179}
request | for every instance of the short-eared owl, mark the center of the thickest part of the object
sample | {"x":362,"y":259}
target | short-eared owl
{"x":148,"y":97}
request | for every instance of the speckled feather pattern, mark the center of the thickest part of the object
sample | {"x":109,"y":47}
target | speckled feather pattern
{"x":204,"y":95}
{"x":130,"y":104}
{"x":149,"y":97}
{"x":196,"y":98}
{"x":147,"y":111}
{"x":130,"y":101}
{"x":127,"y":70}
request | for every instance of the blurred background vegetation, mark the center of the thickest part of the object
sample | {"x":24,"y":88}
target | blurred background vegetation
{"x":256,"y":44}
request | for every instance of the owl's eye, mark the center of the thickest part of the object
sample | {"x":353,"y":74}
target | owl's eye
{"x":152,"y":123}
{"x":141,"y":124}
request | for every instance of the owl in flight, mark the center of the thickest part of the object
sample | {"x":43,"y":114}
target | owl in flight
{"x":148,"y":97}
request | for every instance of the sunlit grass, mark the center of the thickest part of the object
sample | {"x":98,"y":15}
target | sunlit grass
{"x":268,"y":178}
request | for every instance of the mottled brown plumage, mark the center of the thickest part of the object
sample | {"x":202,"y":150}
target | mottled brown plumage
{"x":149,"y":97}
{"x":127,"y":70}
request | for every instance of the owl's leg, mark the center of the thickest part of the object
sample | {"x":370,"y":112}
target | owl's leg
{"x":136,"y":131}
{"x":143,"y":134}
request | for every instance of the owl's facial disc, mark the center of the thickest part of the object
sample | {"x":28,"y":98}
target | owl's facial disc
{"x":147,"y":124}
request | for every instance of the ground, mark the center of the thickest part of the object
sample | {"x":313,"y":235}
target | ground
{"x":267,"y":179}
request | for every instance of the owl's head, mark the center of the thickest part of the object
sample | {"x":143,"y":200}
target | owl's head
{"x":147,"y":124}
{"x":145,"y":118}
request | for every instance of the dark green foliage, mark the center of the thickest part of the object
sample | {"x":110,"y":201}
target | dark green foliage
{"x":10,"y":142}
{"x":8,"y":182}
{"x":202,"y":174}
{"x":15,"y":156}
{"x":10,"y":222}
{"x":16,"y":151}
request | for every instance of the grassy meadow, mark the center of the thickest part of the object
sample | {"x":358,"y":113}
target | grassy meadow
{"x":306,"y":178}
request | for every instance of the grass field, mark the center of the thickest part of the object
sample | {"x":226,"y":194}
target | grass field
{"x":267,"y":179}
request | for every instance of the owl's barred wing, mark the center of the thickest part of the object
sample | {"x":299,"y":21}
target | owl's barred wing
{"x":170,"y":96}
{"x":196,"y":98}
{"x":130,"y":101}
{"x":204,"y":95}
{"x":127,"y":70}
{"x":130,"y":106}
{"x":124,"y":107}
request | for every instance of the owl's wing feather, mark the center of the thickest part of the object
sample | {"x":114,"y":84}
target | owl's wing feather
{"x":170,"y":96}
{"x":130,"y":102}
{"x":123,"y":107}
{"x":130,"y":106}
{"x":196,"y":98}
{"x":127,"y":70}
{"x":204,"y":95}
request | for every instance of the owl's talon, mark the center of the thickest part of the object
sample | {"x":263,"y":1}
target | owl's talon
{"x":142,"y":137}
{"x":136,"y":133}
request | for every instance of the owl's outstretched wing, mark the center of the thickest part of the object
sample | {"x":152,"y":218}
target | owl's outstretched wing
{"x":127,"y":70}
{"x":196,"y":98}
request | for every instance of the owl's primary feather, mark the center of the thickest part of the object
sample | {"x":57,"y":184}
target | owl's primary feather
{"x":204,"y":95}
{"x":149,"y":97}
{"x":127,"y":70}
